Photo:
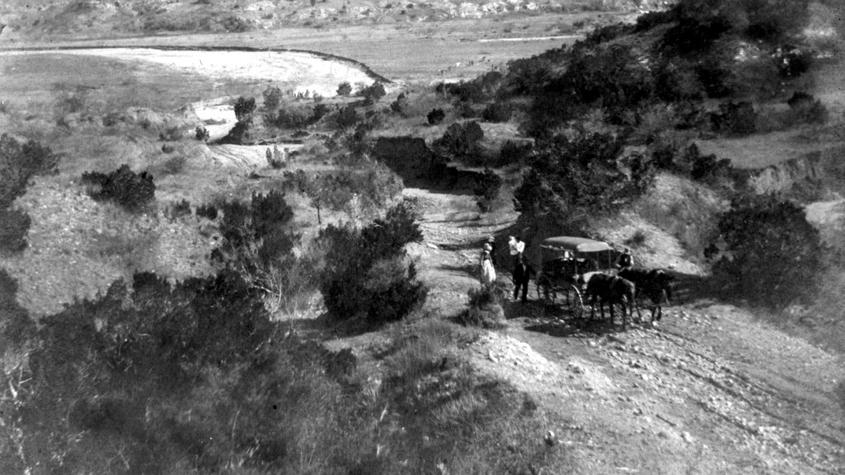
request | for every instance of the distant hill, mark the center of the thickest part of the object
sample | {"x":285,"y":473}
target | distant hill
{"x":41,"y":19}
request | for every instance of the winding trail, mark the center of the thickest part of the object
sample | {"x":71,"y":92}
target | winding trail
{"x":710,"y":390}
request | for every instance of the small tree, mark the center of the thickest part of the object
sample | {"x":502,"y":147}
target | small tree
{"x":272,"y":98}
{"x":373,"y":92}
{"x":435,"y":116}
{"x":773,"y":254}
{"x":18,"y":163}
{"x":131,"y":190}
{"x":244,"y":108}
{"x":344,"y":89}
{"x":366,"y":272}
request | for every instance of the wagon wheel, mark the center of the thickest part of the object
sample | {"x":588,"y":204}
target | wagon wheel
{"x":577,"y":306}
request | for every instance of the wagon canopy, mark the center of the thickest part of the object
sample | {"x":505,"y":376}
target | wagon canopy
{"x":576,"y":244}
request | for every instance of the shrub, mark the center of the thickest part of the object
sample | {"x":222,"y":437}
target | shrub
{"x":637,"y":239}
{"x":179,"y":209}
{"x":256,"y":233}
{"x":400,"y":104}
{"x":735,"y":118}
{"x":123,"y":186}
{"x":18,"y":163}
{"x":208,"y":211}
{"x":497,"y":112}
{"x":244,"y":108}
{"x":239,"y":134}
{"x":272,"y":98}
{"x":485,"y":307}
{"x":373,"y":92}
{"x":514,"y":152}
{"x":807,"y":109}
{"x":487,"y":190}
{"x":346,"y":117}
{"x":774,"y":254}
{"x":673,"y":82}
{"x":464,"y":91}
{"x":571,"y":178}
{"x":366,"y":273}
{"x":290,"y":118}
{"x":344,"y":89}
{"x":435,"y":116}
{"x":792,"y":62}
{"x":275,"y":158}
{"x":201,"y":133}
{"x":14,"y":224}
{"x":125,"y":371}
{"x":705,"y":168}
{"x":649,"y":20}
{"x":460,"y":139}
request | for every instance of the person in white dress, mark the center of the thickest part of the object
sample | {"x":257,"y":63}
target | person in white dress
{"x":488,"y":273}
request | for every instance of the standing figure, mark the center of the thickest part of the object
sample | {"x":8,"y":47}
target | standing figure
{"x":516,"y":247}
{"x":626,"y":261}
{"x":488,"y":273}
{"x":521,"y":276}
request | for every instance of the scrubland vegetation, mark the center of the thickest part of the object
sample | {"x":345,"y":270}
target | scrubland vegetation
{"x":210,"y":374}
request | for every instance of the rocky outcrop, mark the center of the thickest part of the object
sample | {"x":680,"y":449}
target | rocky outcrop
{"x":826,"y":167}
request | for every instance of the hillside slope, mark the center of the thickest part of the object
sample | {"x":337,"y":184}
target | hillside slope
{"x":99,"y":18}
{"x":712,"y":389}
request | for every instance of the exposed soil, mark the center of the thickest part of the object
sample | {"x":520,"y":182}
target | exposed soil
{"x":710,"y":389}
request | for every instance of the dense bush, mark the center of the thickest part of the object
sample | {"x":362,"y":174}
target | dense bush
{"x":804,"y":108}
{"x":344,"y":89}
{"x":400,"y":104}
{"x":460,"y":139}
{"x":272,"y":98}
{"x":131,"y":190}
{"x":435,"y":116}
{"x":291,"y":117}
{"x":18,"y":163}
{"x":366,"y":273}
{"x":791,"y":61}
{"x":707,"y":168}
{"x":570,"y":178}
{"x":676,"y":81}
{"x":373,"y":92}
{"x":14,"y":224}
{"x":514,"y":152}
{"x":487,"y":189}
{"x":485,"y":307}
{"x":464,"y":91}
{"x":649,"y":20}
{"x":256,"y":234}
{"x":244,"y":108}
{"x":208,"y":211}
{"x":347,"y":117}
{"x":773,"y":254}
{"x":735,"y":118}
{"x":121,"y":373}
{"x":611,"y":78}
{"x":699,"y":24}
{"x":497,"y":112}
{"x":201,"y":133}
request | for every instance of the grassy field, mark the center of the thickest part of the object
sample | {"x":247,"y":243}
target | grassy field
{"x":423,"y":52}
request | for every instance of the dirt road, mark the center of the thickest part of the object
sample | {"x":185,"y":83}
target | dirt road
{"x":709,"y":390}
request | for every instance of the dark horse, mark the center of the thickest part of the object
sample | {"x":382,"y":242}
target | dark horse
{"x":612,"y":290}
{"x":655,"y":284}
{"x":521,"y":275}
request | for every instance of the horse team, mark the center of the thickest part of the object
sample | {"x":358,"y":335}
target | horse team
{"x":626,"y":289}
